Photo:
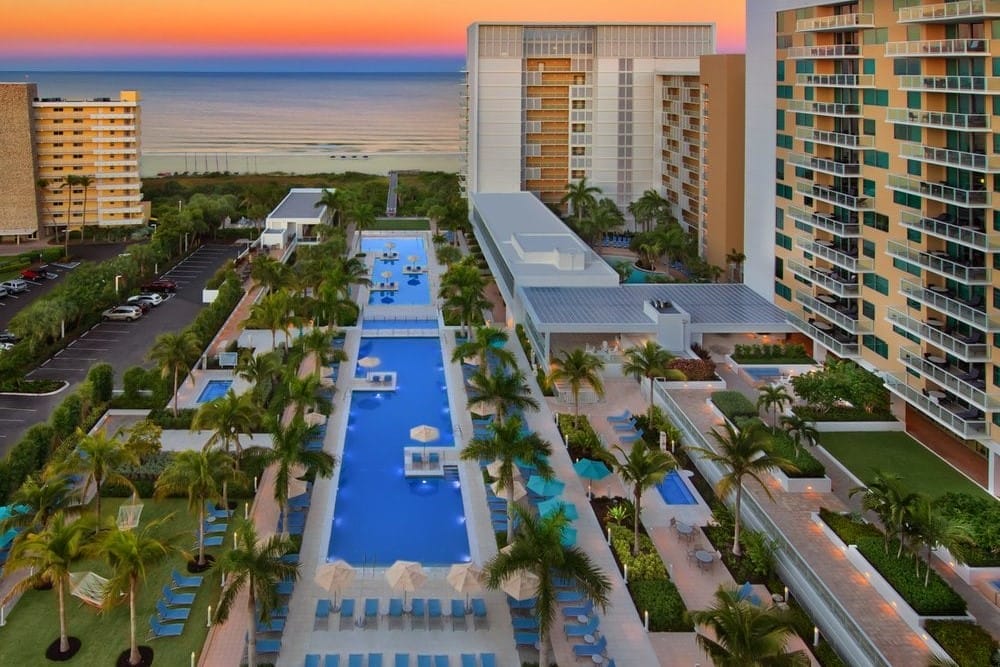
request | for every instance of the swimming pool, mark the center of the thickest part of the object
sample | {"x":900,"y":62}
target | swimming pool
{"x":762,"y":373}
{"x":413,"y":288}
{"x":382,"y":516}
{"x":636,"y":275}
{"x":674,"y":491}
{"x":399,"y":324}
{"x":214,"y":389}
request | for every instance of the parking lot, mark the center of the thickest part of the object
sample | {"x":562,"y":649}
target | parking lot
{"x":122,"y":344}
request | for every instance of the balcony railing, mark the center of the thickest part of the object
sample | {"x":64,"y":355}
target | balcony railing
{"x":940,"y":119}
{"x":940,"y":191}
{"x":969,"y":430}
{"x":850,"y":325}
{"x":949,"y":11}
{"x":953,"y":308}
{"x":124,"y":138}
{"x":824,"y":222}
{"x":836,"y":80}
{"x":825,"y":108}
{"x":840,"y":348}
{"x":120,"y":186}
{"x":835,"y":197}
{"x":835,"y":138}
{"x":940,"y":264}
{"x":825,"y":165}
{"x":936,"y":48}
{"x":912,"y":358}
{"x":943,"y":229}
{"x":950,"y":84}
{"x":832,"y":51}
{"x":834,"y":256}
{"x":825,"y":279}
{"x":950,"y":158}
{"x":838,"y":22}
{"x":972,"y":352}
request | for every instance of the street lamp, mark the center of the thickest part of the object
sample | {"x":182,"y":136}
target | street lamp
{"x":117,"y":278}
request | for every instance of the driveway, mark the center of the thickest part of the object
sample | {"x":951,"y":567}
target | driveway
{"x":121,"y":344}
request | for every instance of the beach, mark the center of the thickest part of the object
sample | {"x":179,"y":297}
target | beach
{"x":295,"y":163}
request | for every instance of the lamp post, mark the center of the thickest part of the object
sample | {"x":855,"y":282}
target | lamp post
{"x":117,"y":278}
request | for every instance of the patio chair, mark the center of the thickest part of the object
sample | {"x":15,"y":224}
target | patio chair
{"x":312,"y":660}
{"x":526,"y":638}
{"x":525,"y":605}
{"x":418,"y":612}
{"x":581,"y":610}
{"x":524,"y":622}
{"x":458,"y":614}
{"x":346,"y":613}
{"x":274,"y":625}
{"x":479,"y":615}
{"x":171,"y":613}
{"x":212,"y":541}
{"x":331,"y":660}
{"x":402,"y":660}
{"x":180,"y":581}
{"x":177,"y":599}
{"x":286,"y":587}
{"x":590,"y":650}
{"x":434,"y":613}
{"x":323,"y":608}
{"x":215,"y":528}
{"x":434,"y":459}
{"x":290,"y":558}
{"x":157,"y":629}
{"x":745,"y":592}
{"x":623,"y":417}
{"x":371,"y":612}
{"x":374,"y":660}
{"x":488,"y":659}
{"x":395,"y":612}
{"x":569,"y":596}
{"x":624,"y":426}
{"x":355,"y":660}
{"x":631,"y":437}
{"x":417,"y":459}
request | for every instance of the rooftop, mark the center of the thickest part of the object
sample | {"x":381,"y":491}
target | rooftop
{"x":300,"y":204}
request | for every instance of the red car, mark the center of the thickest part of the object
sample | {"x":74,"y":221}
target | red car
{"x":161,"y":285}
{"x":32,"y":275}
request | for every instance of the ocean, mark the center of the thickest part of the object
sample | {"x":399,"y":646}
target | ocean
{"x":267,"y":122}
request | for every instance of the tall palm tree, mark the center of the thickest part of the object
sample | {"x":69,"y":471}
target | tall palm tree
{"x":260,"y":370}
{"x":68,"y":183}
{"x":933,"y":529}
{"x":581,"y":197}
{"x":487,"y":343}
{"x":288,"y":453}
{"x":99,"y":458}
{"x":304,"y":392}
{"x":255,"y":565}
{"x":745,"y":453}
{"x":648,"y":207}
{"x":269,"y":272}
{"x":131,"y":554}
{"x":508,"y":444}
{"x":200,"y":474}
{"x":273,"y":312}
{"x":318,"y":342}
{"x":48,"y":556}
{"x":228,"y":417}
{"x":600,"y":219}
{"x":891,"y":501}
{"x":746,"y":634}
{"x":735,"y":260}
{"x":333,"y":201}
{"x":643,"y":467}
{"x":773,"y":398}
{"x":174,"y":353}
{"x":504,"y":391}
{"x":801,"y":431}
{"x":537,"y":548}
{"x":466,"y":304}
{"x":648,"y":360}
{"x":363,"y":215}
{"x":39,"y":498}
{"x":84,"y":182}
{"x":578,"y":367}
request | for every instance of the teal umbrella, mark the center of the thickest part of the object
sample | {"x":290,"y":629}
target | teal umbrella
{"x":553,"y":505}
{"x":568,"y":538}
{"x":545,"y":487}
{"x":591,"y":469}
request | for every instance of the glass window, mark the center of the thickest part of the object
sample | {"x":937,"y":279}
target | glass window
{"x":780,"y":119}
{"x":868,"y":309}
{"x":868,"y":248}
{"x":868,"y":66}
{"x":913,"y":100}
{"x":781,"y":70}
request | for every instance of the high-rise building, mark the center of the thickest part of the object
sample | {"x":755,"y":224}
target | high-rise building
{"x":620,"y":105}
{"x":872,"y":161}
{"x":81,"y":158}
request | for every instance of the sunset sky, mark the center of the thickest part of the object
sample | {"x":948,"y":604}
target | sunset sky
{"x":232,"y":34}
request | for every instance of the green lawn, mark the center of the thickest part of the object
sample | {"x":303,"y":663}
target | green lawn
{"x":34,"y":623}
{"x":393,"y":225}
{"x":894,"y":451}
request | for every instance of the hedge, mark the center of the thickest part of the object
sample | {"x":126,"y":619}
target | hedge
{"x":982,"y":515}
{"x":775,"y":353}
{"x":935,"y":599}
{"x":733,"y":404}
{"x":695,"y":370}
{"x":841,"y":413}
{"x":967,"y":643}
{"x":649,"y":584}
{"x":584,"y":442}
{"x":807,"y":464}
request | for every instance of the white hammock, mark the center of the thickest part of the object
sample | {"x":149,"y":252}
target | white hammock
{"x":128,"y":516}
{"x":88,"y":586}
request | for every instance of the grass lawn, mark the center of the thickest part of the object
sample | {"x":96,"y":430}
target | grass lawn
{"x":392,"y":225}
{"x":34,"y":623}
{"x":894,"y":451}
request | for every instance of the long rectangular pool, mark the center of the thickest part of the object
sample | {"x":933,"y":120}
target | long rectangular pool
{"x":408,"y":251}
{"x":674,"y":491}
{"x":380,"y":515}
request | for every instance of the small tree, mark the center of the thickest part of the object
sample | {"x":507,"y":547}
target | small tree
{"x":773,"y":398}
{"x":648,"y":361}
{"x":643,"y":468}
{"x":174,"y":353}
{"x":578,"y":367}
{"x":99,"y":458}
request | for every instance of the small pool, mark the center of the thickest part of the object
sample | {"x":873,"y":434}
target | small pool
{"x":636,"y":275}
{"x":409,"y":288}
{"x":762,"y":373}
{"x":399,"y":324}
{"x":674,"y":491}
{"x":214,"y":389}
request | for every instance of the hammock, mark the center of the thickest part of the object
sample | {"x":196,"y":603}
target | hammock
{"x":128,"y":516}
{"x":88,"y":586}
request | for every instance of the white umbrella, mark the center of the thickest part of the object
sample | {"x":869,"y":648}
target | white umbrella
{"x":387,"y":274}
{"x":390,"y":244}
{"x":466,"y":578}
{"x":521,"y":585}
{"x":494,"y":468}
{"x":406,"y":576}
{"x":519,"y":490}
{"x":369,"y":362}
{"x":471,"y":361}
{"x":335,"y":577}
{"x":315,"y":418}
{"x":412,"y":258}
{"x":424,"y":433}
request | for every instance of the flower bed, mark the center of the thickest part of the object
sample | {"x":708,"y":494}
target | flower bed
{"x":841,"y":413}
{"x":584,"y":442}
{"x":967,"y":643}
{"x":982,"y":515}
{"x":649,"y":584}
{"x":734,"y":405}
{"x":791,"y":353}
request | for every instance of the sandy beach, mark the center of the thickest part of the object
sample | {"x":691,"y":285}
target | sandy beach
{"x":153,"y":164}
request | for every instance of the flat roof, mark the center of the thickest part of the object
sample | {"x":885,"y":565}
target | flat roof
{"x":300,"y":204}
{"x":713,"y":307}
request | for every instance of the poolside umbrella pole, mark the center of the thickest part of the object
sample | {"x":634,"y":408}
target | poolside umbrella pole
{"x":335,"y":577}
{"x":592,"y":470}
{"x":406,"y":576}
{"x":466,"y":578}
{"x":424,"y":433}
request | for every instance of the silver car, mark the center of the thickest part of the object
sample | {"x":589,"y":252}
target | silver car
{"x":127,"y":313}
{"x":15,"y":286}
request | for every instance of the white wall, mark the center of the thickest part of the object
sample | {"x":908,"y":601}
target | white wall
{"x":497,"y":123}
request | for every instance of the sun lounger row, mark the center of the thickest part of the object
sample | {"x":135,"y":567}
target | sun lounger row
{"x":400,"y":660}
{"x":422,"y":613}
{"x":616,"y":240}
{"x":380,"y":378}
{"x":433,"y":460}
{"x":173,"y":608}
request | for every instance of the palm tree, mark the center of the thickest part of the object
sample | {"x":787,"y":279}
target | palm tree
{"x":288,"y":453}
{"x":363,"y":215}
{"x":48,"y":556}
{"x":601,"y":218}
{"x":643,"y":468}
{"x":273,"y":312}
{"x":68,"y":183}
{"x":487,"y":342}
{"x":537,"y":548}
{"x":466,"y":304}
{"x":508,"y":443}
{"x":746,"y":634}
{"x":648,"y":207}
{"x":649,"y":360}
{"x":200,"y":475}
{"x":99,"y":458}
{"x":255,"y":565}
{"x":891,"y":501}
{"x":174,"y":353}
{"x":318,"y":343}
{"x":746,"y":453}
{"x":43,"y":496}
{"x":332,"y":199}
{"x":581,"y":197}
{"x":933,"y":528}
{"x":228,"y":417}
{"x":269,"y":272}
{"x":303,"y":392}
{"x":801,"y":431}
{"x":735,"y":260}
{"x":84,"y":182}
{"x":773,"y":397}
{"x":131,"y":554}
{"x":505,"y":391}
{"x":578,"y":367}
{"x":260,"y":370}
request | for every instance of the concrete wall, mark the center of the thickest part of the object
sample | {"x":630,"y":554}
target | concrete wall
{"x":19,"y":205}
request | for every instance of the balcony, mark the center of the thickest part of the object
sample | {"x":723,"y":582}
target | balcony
{"x":120,"y":198}
{"x":841,"y":139}
{"x":836,"y":80}
{"x":941,"y":300}
{"x":949,"y":12}
{"x":106,"y":115}
{"x":116,"y":163}
{"x":936,"y":48}
{"x":825,"y":222}
{"x":832,"y":51}
{"x":943,"y":227}
{"x":942,"y":375}
{"x":120,"y":186}
{"x":939,"y":263}
{"x":831,"y":281}
{"x":125,"y":139}
{"x":950,"y":158}
{"x":950,"y":84}
{"x":851,"y":325}
{"x":969,"y":430}
{"x":960,"y":122}
{"x":114,"y":128}
{"x":843,"y":347}
{"x":942,"y":192}
{"x":850,"y":262}
{"x":124,"y":210}
{"x":833,"y":196}
{"x":963,"y":349}
{"x":114,"y":151}
{"x":825,"y":108}
{"x":825,"y":165}
{"x":836,"y":23}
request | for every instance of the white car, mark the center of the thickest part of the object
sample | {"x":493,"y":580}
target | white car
{"x":128,"y":313}
{"x":152,"y":298}
{"x":15,"y":286}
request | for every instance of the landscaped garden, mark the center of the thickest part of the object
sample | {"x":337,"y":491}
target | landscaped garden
{"x":841,"y":391}
{"x":771,"y":353}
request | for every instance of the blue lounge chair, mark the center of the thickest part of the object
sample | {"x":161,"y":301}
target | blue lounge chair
{"x":424,"y":661}
{"x":442,"y":661}
{"x":433,"y":459}
{"x":631,"y":437}
{"x":580,"y":610}
{"x":300,"y":501}
{"x":215,"y":528}
{"x":524,"y":622}
{"x":312,"y":660}
{"x":278,"y":612}
{"x":180,"y":581}
{"x":417,"y":459}
{"x":157,"y":629}
{"x":582,"y":629}
{"x":590,"y":650}
{"x":395,"y":612}
{"x":331,"y":660}
{"x":745,"y":592}
{"x":274,"y":625}
{"x":526,"y":638}
{"x":418,"y":612}
{"x":213,"y":541}
{"x":402,"y":660}
{"x":434,"y":612}
{"x":488,"y":659}
{"x":355,"y":660}
{"x":346,"y":612}
{"x":323,"y":609}
{"x":371,"y":611}
{"x":286,"y":587}
{"x":268,"y":646}
{"x":623,"y":417}
{"x":374,"y":660}
{"x":624,"y":427}
{"x":468,"y":660}
{"x":569,"y":596}
{"x":290,"y":558}
{"x":172,"y":613}
{"x":521,"y":604}
{"x":458,"y":614}
{"x":177,"y":599}
{"x":214,"y":513}
{"x":479,"y":613}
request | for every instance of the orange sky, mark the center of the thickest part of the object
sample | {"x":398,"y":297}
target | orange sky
{"x":188,"y":27}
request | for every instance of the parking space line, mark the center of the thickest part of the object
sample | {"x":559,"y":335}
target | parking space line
{"x":14,"y":421}
{"x":18,"y":409}
{"x":94,"y":349}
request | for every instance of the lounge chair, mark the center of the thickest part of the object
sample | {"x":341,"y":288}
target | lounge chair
{"x":171,"y":613}
{"x":458,"y":614}
{"x":177,"y":599}
{"x":402,"y":660}
{"x":274,"y":625}
{"x":488,"y":659}
{"x":526,"y":638}
{"x":623,"y":427}
{"x":346,"y":612}
{"x":525,"y":622}
{"x":582,"y":629}
{"x":590,"y":650}
{"x":323,"y":608}
{"x":215,"y":513}
{"x":355,"y":660}
{"x":424,"y":661}
{"x":586,"y":609}
{"x":433,"y":459}
{"x":371,"y":612}
{"x":417,"y":459}
{"x":286,"y":587}
{"x":157,"y":629}
{"x":468,"y":660}
{"x":180,"y":581}
{"x":268,"y":646}
{"x":395,"y":612}
{"x":526,"y":605}
{"x":212,"y":541}
{"x":631,"y":437}
{"x":331,"y":660}
{"x":418,"y":612}
{"x":434,"y":612}
{"x":442,"y":661}
{"x":374,"y":660}
{"x":569,"y":596}
{"x":215,"y":528}
{"x":290,"y":558}
{"x":312,"y":660}
{"x":479,"y":613}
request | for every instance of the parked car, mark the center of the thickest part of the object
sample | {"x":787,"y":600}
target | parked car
{"x":15,"y":286}
{"x":31,"y":274}
{"x":152,"y":298}
{"x":47,"y":271}
{"x":7,"y":337}
{"x":127,"y":313}
{"x":161,"y":285}
{"x":3,"y":292}
{"x":144,"y":306}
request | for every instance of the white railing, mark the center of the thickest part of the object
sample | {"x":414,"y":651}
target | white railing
{"x":940,"y":191}
{"x":836,"y":80}
{"x":968,"y":236}
{"x":940,"y":265}
{"x":948,"y":10}
{"x":824,"y":108}
{"x":973,"y":352}
{"x":832,"y":51}
{"x":824,"y":280}
{"x":953,"y":83}
{"x":969,"y":429}
{"x":949,"y":306}
{"x":949,"y":157}
{"x":937,"y":48}
{"x":911,"y":357}
{"x":836,"y":22}
{"x":942,"y":119}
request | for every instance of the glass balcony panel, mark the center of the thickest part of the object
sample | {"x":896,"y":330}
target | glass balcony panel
{"x":832,"y":281}
{"x":943,"y":227}
{"x":966,"y":351}
{"x":831,"y":51}
{"x":939,"y":264}
{"x":852,"y":325}
{"x":825,"y":108}
{"x":970,"y":430}
{"x":937,"y":48}
{"x":949,"y":84}
{"x":835,"y":138}
{"x":950,"y":158}
{"x":851,"y":262}
{"x":825,"y":165}
{"x":949,"y":12}
{"x":943,"y":302}
{"x":830,"y":195}
{"x":836,"y":23}
{"x":825,"y":222}
{"x":940,"y":191}
{"x":836,"y":80}
{"x":940,"y":119}
{"x":847,"y":348}
{"x":913,"y":358}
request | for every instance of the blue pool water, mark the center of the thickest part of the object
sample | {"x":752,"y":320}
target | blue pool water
{"x":636,"y":276}
{"x":214,"y":389}
{"x":674,"y":491}
{"x":762,"y":373}
{"x":399,"y":324}
{"x":382,"y":516}
{"x":414,"y":289}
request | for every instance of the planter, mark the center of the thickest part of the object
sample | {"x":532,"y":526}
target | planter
{"x":802,"y":484}
{"x":209,"y":295}
{"x":971,"y":575}
{"x":714,"y":385}
{"x":839,"y":427}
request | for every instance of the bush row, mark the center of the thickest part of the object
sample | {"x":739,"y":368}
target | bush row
{"x":695,"y":370}
{"x":649,"y":584}
{"x":789,"y":353}
{"x":982,"y":516}
{"x":967,"y":643}
{"x":840,"y":413}
{"x":734,"y":405}
{"x":807,"y":464}
{"x":584,"y":442}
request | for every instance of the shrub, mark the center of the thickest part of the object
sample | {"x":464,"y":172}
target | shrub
{"x":25,"y":458}
{"x":696,"y":370}
{"x":789,"y":353}
{"x":733,"y":404}
{"x":584,"y":443}
{"x":646,"y":565}
{"x":982,"y":515}
{"x":842,"y":381}
{"x":67,"y":417}
{"x":133,"y":380}
{"x":661,"y":599}
{"x":102,"y":379}
{"x":841,"y":413}
{"x":164,"y":417}
{"x":801,"y":458}
{"x":935,"y":599}
{"x":967,"y":643}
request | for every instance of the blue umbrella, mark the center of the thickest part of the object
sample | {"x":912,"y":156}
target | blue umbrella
{"x":553,"y":505}
{"x":568,"y":536}
{"x":591,"y":469}
{"x":545,"y":487}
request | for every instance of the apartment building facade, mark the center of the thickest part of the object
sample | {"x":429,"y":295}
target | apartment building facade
{"x":80,"y":156}
{"x":873,"y":148}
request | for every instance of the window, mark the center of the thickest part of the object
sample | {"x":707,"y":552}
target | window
{"x":868,"y":66}
{"x":784,"y":92}
{"x":869,"y":127}
{"x":868,"y":187}
{"x":784,"y":141}
{"x":877,"y":221}
{"x":780,"y":76}
{"x":914,"y":235}
{"x":876,"y":36}
{"x":784,"y":191}
{"x":876,"y":97}
{"x":903,"y":66}
{"x":877,"y":283}
{"x":783,"y":240}
{"x":779,"y":218}
{"x":779,"y":169}
{"x":913,"y":100}
{"x":780,"y":119}
{"x":914,"y":168}
{"x":876,"y":159}
{"x":868,"y":249}
{"x":779,"y":267}
{"x":876,"y":345}
{"x":804,"y":67}
{"x":912,"y":269}
{"x":804,"y":119}
{"x":868,"y":309}
{"x":782,"y":290}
